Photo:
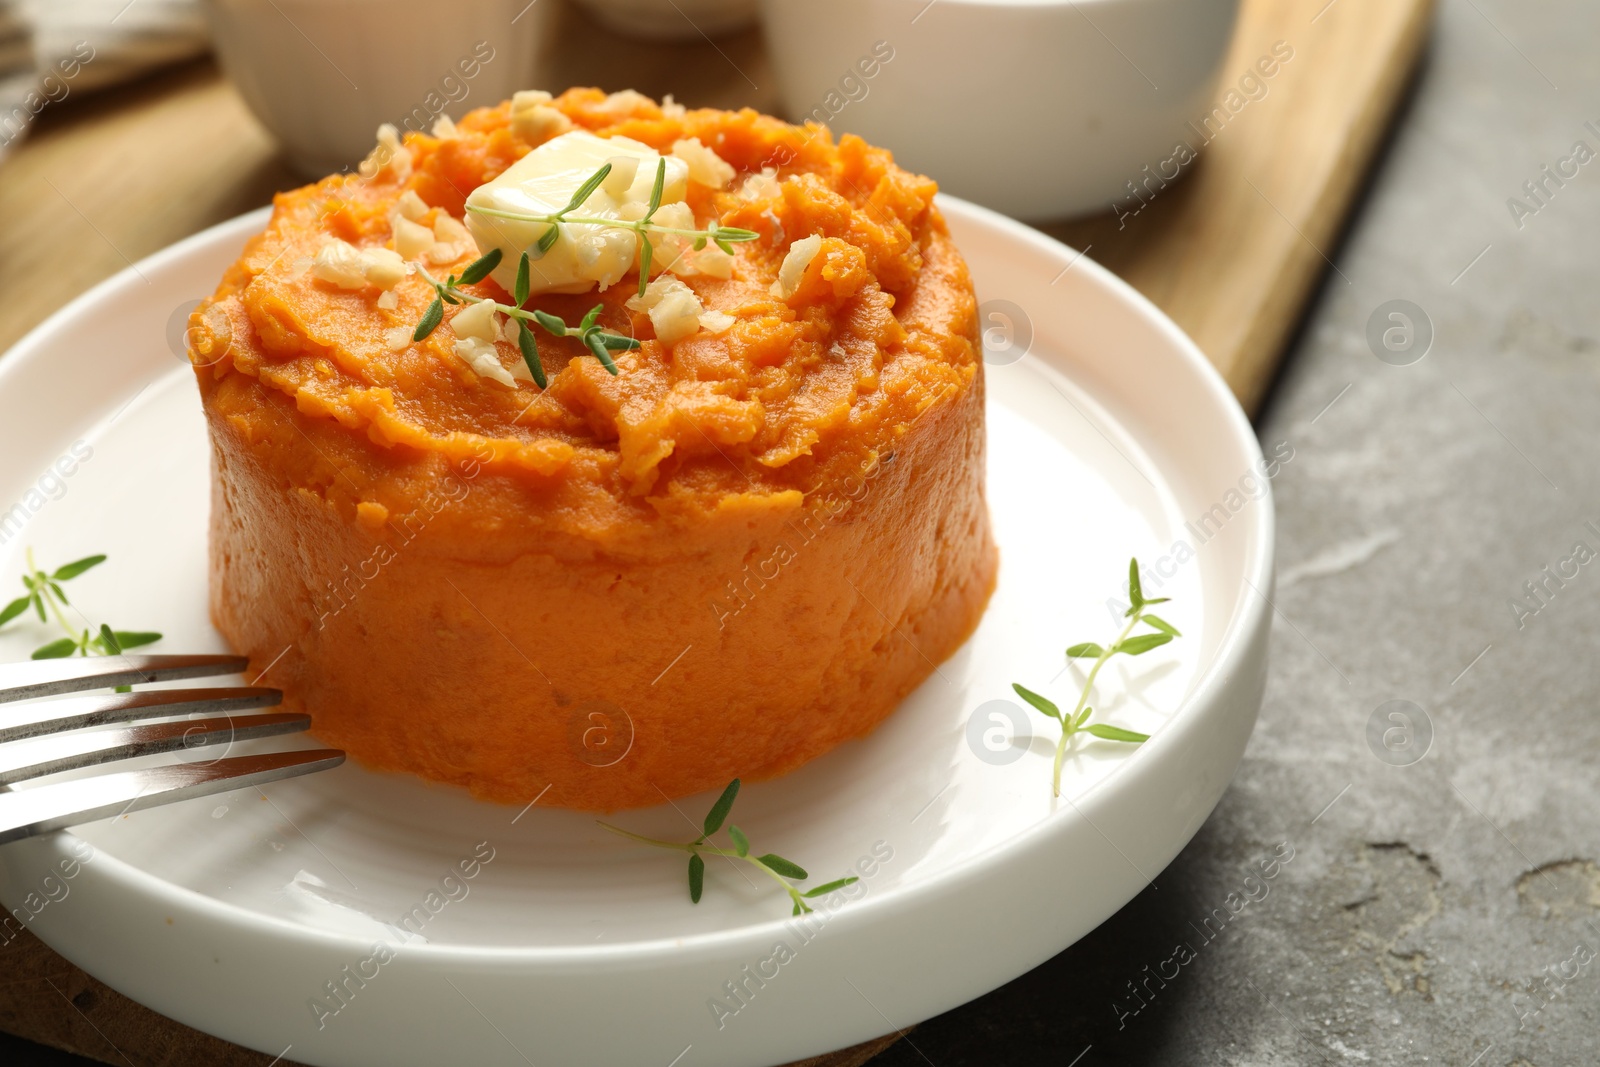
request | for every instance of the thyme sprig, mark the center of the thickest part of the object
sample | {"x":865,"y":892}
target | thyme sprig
{"x":784,"y":872}
{"x":1126,"y":643}
{"x":599,"y":341}
{"x":725,"y":237}
{"x":46,"y":597}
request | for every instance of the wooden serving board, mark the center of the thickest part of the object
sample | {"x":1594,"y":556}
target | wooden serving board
{"x":1233,"y":251}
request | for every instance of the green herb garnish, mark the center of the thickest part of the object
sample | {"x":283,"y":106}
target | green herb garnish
{"x":1128,"y":643}
{"x":723,"y":236}
{"x":46,"y":597}
{"x":782,"y":871}
{"x":601,"y":342}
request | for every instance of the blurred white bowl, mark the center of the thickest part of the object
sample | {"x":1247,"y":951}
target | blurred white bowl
{"x":323,"y":74}
{"x":673,"y":20}
{"x":1037,"y":108}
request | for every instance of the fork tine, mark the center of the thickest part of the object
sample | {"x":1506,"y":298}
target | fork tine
{"x":49,"y":677}
{"x":62,"y":804}
{"x":41,"y":756}
{"x":75,"y":713}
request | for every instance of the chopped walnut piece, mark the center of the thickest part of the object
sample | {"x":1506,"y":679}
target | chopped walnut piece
{"x":705,"y":166}
{"x":801,"y":253}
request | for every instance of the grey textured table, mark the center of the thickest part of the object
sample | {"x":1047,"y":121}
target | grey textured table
{"x":1446,"y":911}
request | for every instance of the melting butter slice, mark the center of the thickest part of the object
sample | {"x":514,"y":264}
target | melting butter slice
{"x":543,"y":182}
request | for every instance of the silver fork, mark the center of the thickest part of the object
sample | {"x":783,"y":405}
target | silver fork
{"x":38,"y":739}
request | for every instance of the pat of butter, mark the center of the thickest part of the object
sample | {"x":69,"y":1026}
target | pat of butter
{"x":542,"y":183}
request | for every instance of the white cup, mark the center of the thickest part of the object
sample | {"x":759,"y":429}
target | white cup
{"x":323,"y":74}
{"x":1038,"y":108}
{"x":673,"y":20}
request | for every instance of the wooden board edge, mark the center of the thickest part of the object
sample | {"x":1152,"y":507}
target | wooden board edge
{"x":1260,"y":355}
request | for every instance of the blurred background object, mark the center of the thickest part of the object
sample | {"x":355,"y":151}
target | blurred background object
{"x":674,"y":20}
{"x":126,"y":39}
{"x":16,"y":70}
{"x":1042,"y":109}
{"x":322,"y":76}
{"x":50,"y":49}
{"x":1038,"y":108}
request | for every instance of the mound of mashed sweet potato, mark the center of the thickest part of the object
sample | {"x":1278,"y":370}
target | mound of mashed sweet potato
{"x":740,"y":550}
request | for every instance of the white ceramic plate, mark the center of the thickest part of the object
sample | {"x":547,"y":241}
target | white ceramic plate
{"x":235,"y":915}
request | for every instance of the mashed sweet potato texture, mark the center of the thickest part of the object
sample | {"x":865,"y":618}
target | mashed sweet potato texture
{"x":739,"y":551}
